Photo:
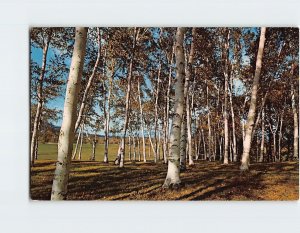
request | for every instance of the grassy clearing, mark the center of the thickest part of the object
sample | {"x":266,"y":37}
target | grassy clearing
{"x":142,"y":181}
{"x":49,"y":152}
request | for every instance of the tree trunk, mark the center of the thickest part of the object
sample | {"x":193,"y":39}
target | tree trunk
{"x":168,"y":104}
{"x":89,"y":84}
{"x":66,"y":136}
{"x":280,"y":137}
{"x":128,"y":93}
{"x":252,"y":109}
{"x":37,"y":119}
{"x":93,"y":157}
{"x":204,"y":145}
{"x":77,"y":142}
{"x":156,"y":113}
{"x":142,"y":121}
{"x":80,"y":147}
{"x":262,"y":145}
{"x":139,"y":148}
{"x":226,"y":130}
{"x":173,"y":173}
{"x":233,"y":121}
{"x":295,"y":115}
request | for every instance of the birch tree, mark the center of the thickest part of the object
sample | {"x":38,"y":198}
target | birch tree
{"x":65,"y":143}
{"x":173,"y":173}
{"x":251,"y":114}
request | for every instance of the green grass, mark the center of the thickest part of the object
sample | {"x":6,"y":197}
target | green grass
{"x":49,"y":151}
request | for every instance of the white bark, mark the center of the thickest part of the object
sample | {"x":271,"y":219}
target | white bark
{"x":233,"y":121}
{"x":172,"y":178}
{"x":156,"y":113}
{"x":89,"y":84}
{"x":252,"y":109}
{"x":120,"y":159}
{"x":142,"y":120}
{"x":226,"y":130}
{"x":37,"y":119}
{"x":66,"y":136}
{"x":77,"y":142}
{"x":188,"y":106}
{"x":295,"y":116}
{"x":262,"y":145}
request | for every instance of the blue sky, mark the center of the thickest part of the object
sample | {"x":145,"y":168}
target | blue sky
{"x":36,"y":56}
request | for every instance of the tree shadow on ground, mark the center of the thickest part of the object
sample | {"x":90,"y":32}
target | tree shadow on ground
{"x":142,"y":181}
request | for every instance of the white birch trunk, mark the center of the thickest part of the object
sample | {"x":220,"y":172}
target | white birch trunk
{"x":89,"y":84}
{"x":173,"y":173}
{"x":295,"y":116}
{"x":262,"y":145}
{"x":66,"y":136}
{"x":226,"y":130}
{"x":37,"y":119}
{"x":77,"y":142}
{"x":252,"y":109}
{"x":128,"y":93}
{"x":142,"y":120}
{"x":233,"y":121}
{"x":188,"y":107}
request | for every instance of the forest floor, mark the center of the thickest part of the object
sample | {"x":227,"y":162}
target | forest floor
{"x":142,"y":181}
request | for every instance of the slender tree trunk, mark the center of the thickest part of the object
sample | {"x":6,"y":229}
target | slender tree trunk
{"x":252,"y":109}
{"x":129,"y":146}
{"x":142,"y":120}
{"x":139,"y":148}
{"x":208,"y":123}
{"x":233,"y":121}
{"x":156,"y":113}
{"x":204,"y":145}
{"x":107,"y":120}
{"x":66,"y":136}
{"x":89,"y":84}
{"x":37,"y":119}
{"x":77,"y":142}
{"x":120,"y":159}
{"x":280,"y":137}
{"x":173,"y":174}
{"x":262,"y":145}
{"x":80,"y":147}
{"x":94,"y":144}
{"x":295,"y":116}
{"x":168,"y":104}
{"x":226,"y":130}
{"x":134,"y":148}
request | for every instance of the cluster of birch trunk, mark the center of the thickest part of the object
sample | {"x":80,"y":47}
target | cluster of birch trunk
{"x":189,"y":94}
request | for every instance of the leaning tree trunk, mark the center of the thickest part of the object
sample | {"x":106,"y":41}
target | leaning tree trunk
{"x":252,"y":109}
{"x":89,"y":84}
{"x":121,"y":156}
{"x":80,"y":147}
{"x":37,"y":119}
{"x":172,"y":178}
{"x":66,"y":136}
{"x":77,"y":142}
